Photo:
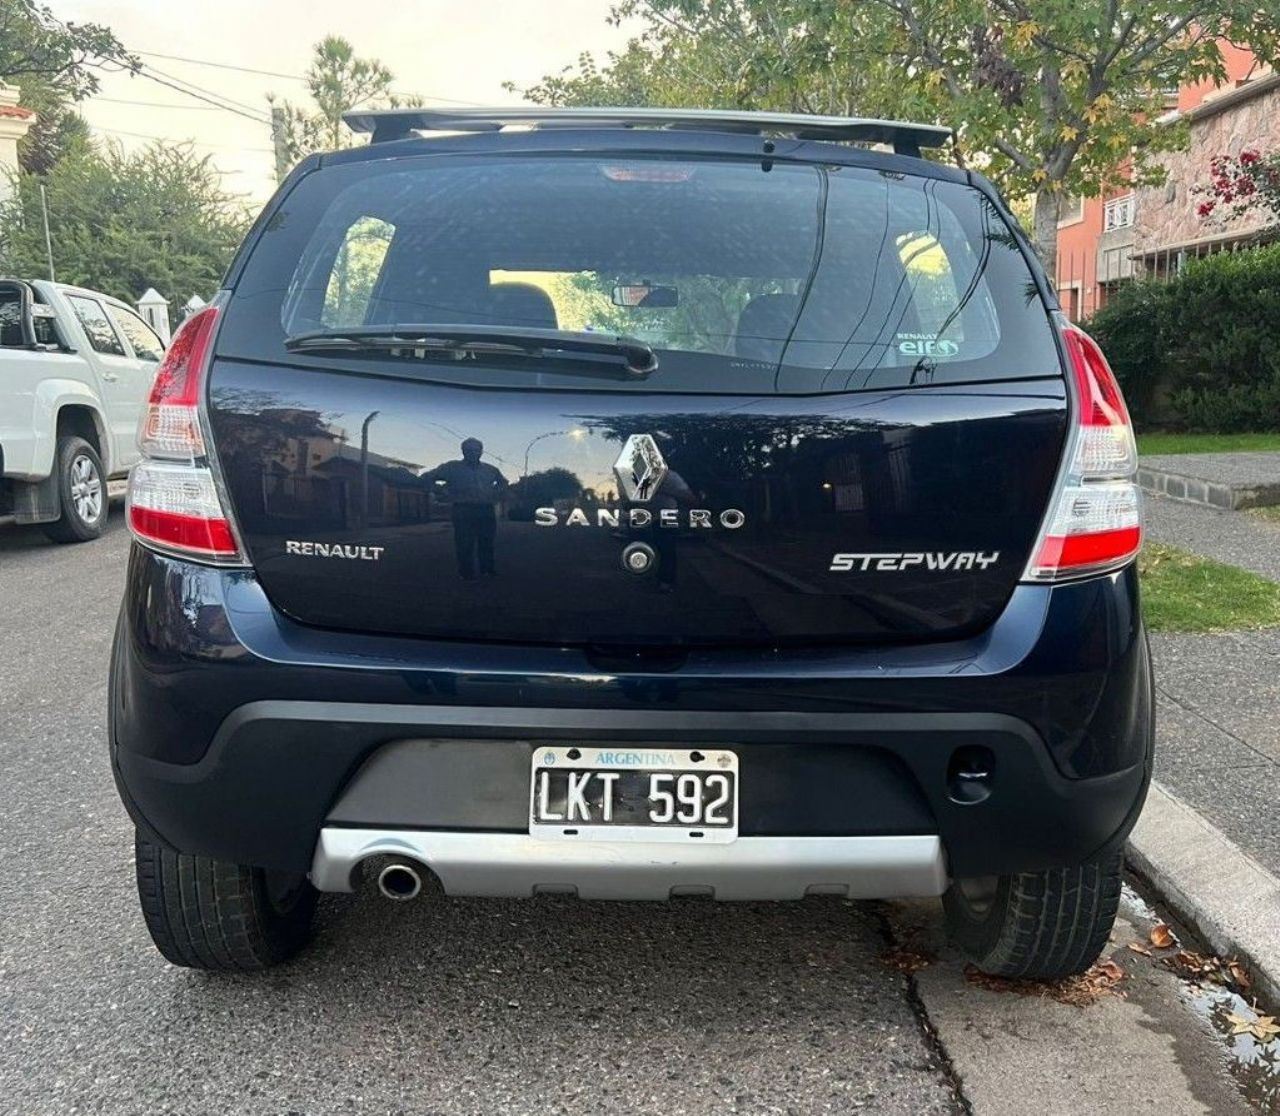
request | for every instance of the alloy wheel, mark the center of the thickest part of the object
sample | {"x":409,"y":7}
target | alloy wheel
{"x":86,"y":489}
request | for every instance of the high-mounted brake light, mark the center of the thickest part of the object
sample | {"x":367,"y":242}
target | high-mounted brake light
{"x":648,"y":172}
{"x":173,"y":497}
{"x":1094,"y":523}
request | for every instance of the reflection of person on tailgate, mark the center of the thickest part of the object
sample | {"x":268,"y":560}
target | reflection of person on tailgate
{"x":474,"y":489}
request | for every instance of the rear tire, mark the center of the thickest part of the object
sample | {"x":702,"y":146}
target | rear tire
{"x":1036,"y":925}
{"x":82,"y":492}
{"x":223,"y":917}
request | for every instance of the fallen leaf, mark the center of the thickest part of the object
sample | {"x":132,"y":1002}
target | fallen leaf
{"x":1077,"y":991}
{"x":1109,"y":971}
{"x":1265,"y":1028}
{"x":1239,"y":1024}
{"x":1162,"y":937}
{"x":1194,"y":965}
{"x":907,"y":960}
{"x":1239,"y":974}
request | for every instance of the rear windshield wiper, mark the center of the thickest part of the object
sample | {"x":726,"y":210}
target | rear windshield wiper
{"x":463,"y":341}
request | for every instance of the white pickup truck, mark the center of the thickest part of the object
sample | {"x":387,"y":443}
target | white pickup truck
{"x":75,"y":371}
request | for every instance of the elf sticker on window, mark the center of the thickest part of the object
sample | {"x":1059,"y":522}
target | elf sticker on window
{"x":925,"y":344}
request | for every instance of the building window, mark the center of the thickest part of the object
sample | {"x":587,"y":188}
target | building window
{"x":1117,"y":213}
{"x":1071,"y":211}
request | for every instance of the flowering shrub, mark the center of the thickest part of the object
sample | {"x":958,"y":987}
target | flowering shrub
{"x":1241,"y":184}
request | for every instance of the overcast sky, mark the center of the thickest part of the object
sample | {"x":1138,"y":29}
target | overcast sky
{"x":459,"y":50}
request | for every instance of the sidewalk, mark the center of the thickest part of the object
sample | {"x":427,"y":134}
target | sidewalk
{"x":1218,"y":732}
{"x":1234,"y":537}
{"x":1210,"y":837}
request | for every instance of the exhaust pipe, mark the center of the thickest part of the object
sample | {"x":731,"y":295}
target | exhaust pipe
{"x":400,"y":881}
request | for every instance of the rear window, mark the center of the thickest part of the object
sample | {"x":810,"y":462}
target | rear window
{"x":46,"y":331}
{"x":743,"y":275}
{"x":11,"y":319}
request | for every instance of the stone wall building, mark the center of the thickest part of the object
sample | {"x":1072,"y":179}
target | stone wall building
{"x":1167,"y":227}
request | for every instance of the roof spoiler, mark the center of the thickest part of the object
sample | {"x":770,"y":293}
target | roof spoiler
{"x":387,"y":125}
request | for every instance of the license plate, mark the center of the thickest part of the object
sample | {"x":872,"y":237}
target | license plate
{"x":634,"y":794}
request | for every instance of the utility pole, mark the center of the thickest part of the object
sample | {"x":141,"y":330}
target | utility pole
{"x":364,"y":467}
{"x":278,"y":142}
{"x":48,"y":240}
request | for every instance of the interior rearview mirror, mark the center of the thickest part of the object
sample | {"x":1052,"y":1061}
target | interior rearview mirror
{"x":645,"y":296}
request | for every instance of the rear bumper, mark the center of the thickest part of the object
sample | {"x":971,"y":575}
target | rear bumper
{"x":515,"y":865}
{"x":239,"y":735}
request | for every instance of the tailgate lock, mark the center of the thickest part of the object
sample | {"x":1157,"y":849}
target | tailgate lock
{"x":638,"y":558}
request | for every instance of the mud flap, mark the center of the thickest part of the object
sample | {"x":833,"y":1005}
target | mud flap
{"x":37,"y":501}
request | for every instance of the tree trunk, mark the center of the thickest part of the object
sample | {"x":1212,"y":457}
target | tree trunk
{"x":1044,"y":234}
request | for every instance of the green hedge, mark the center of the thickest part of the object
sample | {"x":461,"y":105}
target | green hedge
{"x":1200,"y":352}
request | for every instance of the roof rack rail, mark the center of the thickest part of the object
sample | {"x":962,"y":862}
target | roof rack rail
{"x":396,"y":124}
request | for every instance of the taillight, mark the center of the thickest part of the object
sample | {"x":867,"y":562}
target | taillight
{"x":1095,"y":520}
{"x":174,"y":504}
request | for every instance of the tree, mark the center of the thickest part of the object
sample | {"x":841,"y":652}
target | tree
{"x":337,"y":81}
{"x":56,"y":132}
{"x":54,"y":63}
{"x":545,"y":487}
{"x":121,"y":223}
{"x":1049,"y":97}
{"x":776,"y":54}
{"x":1063,"y":96}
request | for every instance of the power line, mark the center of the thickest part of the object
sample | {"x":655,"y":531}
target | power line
{"x":238,"y":110}
{"x":200,"y":97}
{"x":153,"y":104}
{"x":220,"y":65}
{"x":170,"y":139}
{"x":202,"y":89}
{"x":277,"y":74}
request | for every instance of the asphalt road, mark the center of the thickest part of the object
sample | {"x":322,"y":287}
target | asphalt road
{"x":451,"y":1007}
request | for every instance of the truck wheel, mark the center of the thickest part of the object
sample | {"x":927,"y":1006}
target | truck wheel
{"x":1038,"y":925}
{"x":82,"y":491}
{"x":211,"y":914}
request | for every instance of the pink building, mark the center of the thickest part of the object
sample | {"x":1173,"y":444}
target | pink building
{"x":1104,"y":241}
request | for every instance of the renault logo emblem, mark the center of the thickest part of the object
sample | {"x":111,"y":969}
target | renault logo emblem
{"x":640,"y":469}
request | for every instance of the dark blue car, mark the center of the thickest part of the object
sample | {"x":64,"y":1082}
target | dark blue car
{"x":633,"y":504}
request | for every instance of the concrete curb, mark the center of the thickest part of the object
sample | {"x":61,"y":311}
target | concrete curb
{"x":1194,"y":490}
{"x":1221,"y":892}
{"x":1226,"y":481}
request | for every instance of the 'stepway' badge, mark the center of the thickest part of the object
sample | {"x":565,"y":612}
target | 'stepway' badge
{"x":898,"y":561}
